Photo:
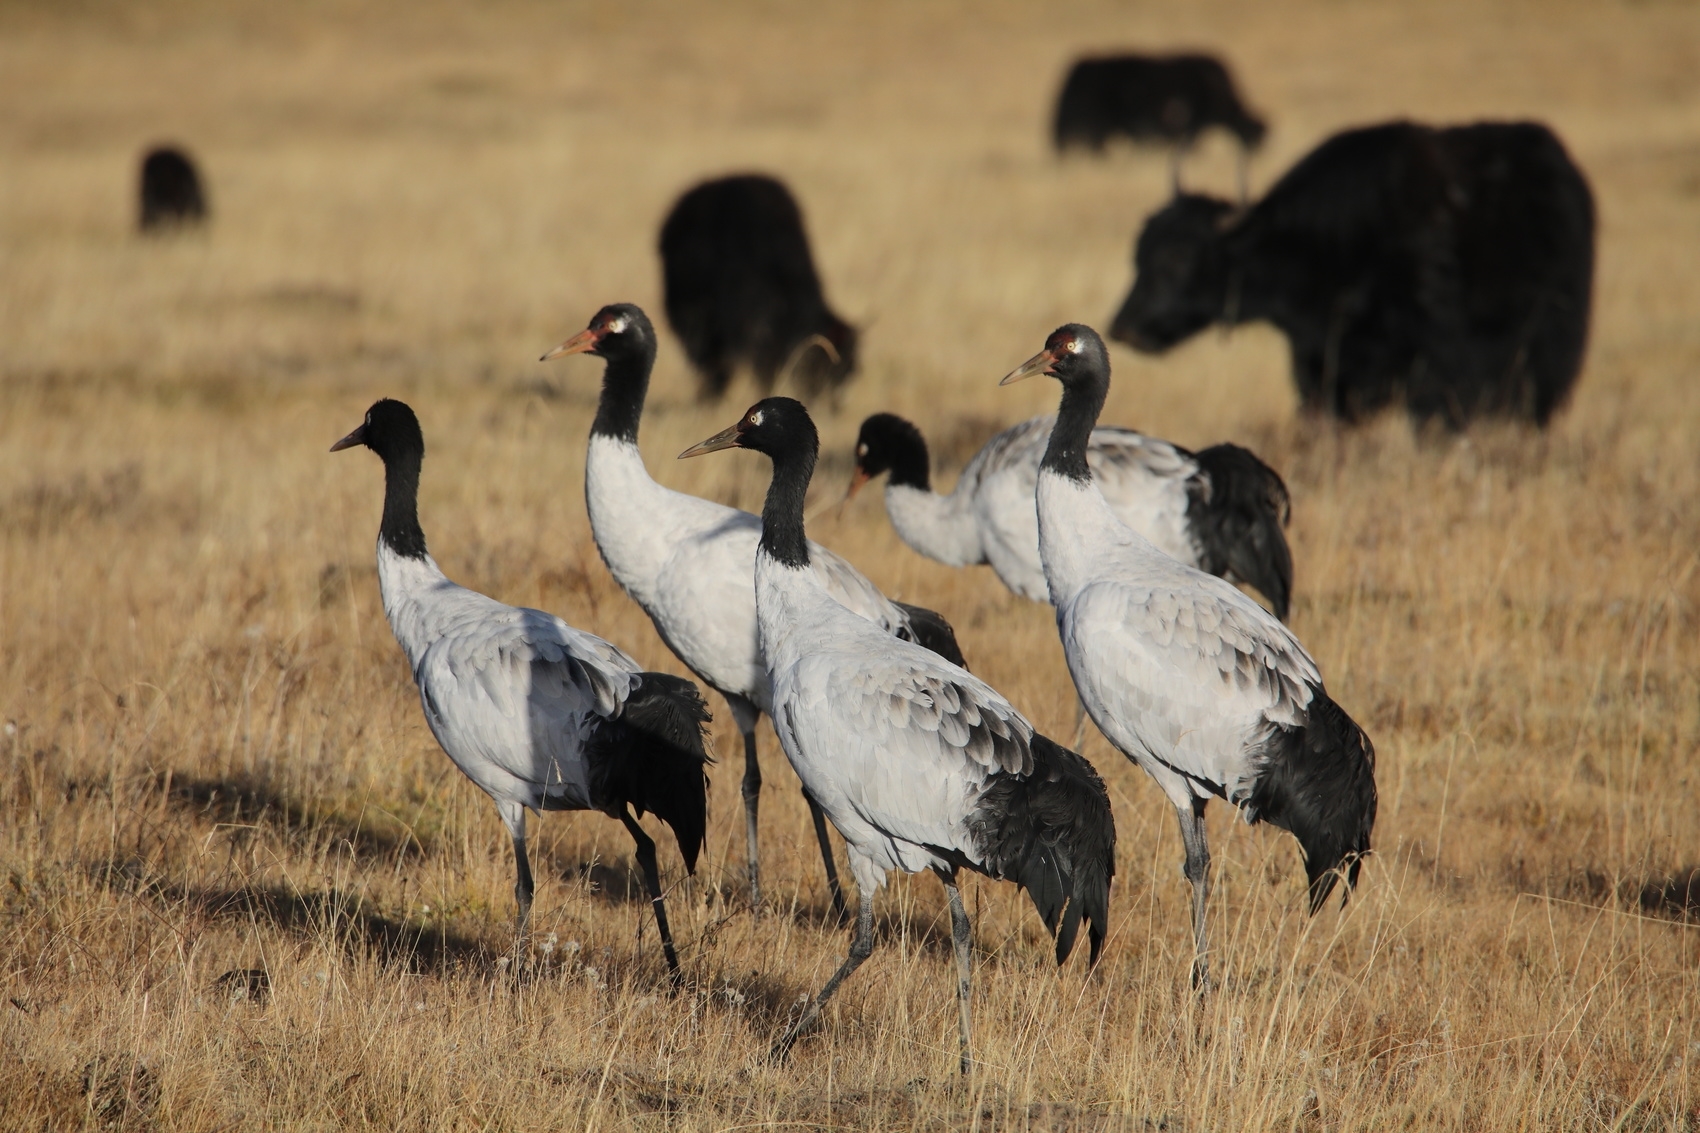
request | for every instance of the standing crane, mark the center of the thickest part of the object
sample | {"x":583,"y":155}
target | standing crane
{"x":690,"y":562}
{"x":920,"y":764}
{"x":539,"y":715}
{"x":1184,"y":673}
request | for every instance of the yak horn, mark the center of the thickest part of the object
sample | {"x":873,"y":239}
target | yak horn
{"x":789,"y":369}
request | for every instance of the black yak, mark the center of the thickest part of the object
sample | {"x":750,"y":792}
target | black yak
{"x":1152,"y":98}
{"x":170,"y":192}
{"x":740,"y":287}
{"x":1450,"y":269}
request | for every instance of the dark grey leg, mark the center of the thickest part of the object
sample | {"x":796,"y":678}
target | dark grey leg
{"x":839,"y":908}
{"x":752,"y":800}
{"x":513,"y":817}
{"x":1197,"y":870}
{"x":963,"y":943}
{"x":860,"y":949}
{"x":652,"y":880}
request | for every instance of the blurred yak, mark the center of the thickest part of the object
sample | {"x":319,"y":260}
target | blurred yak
{"x":740,"y":286}
{"x":1450,"y":269}
{"x":170,"y":191}
{"x":1152,"y":98}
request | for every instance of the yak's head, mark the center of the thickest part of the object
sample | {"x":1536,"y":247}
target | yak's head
{"x":1180,"y":283}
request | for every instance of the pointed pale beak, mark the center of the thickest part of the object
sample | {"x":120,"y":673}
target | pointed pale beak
{"x":725,"y":438}
{"x":857,"y":479}
{"x":358,"y":437}
{"x":1039,"y":364}
{"x":581,"y":343}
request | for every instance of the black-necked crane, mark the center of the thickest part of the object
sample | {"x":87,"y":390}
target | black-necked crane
{"x":918,"y":763}
{"x":539,"y":715}
{"x":1220,"y":509}
{"x":690,"y":562}
{"x":1184,"y":673}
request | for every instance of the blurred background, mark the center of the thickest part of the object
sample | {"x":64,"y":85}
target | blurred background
{"x":429,"y":192}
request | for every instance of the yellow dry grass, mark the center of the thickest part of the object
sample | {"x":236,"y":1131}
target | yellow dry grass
{"x":213,"y":759}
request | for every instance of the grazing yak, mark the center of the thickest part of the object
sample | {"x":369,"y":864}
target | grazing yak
{"x":1152,"y":98}
{"x":170,"y":193}
{"x":740,"y":287}
{"x":1450,"y":269}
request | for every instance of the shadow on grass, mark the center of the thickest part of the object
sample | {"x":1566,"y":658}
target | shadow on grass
{"x":250,"y":800}
{"x":347,"y":920}
{"x":919,"y":1104}
{"x":1677,"y":895}
{"x":1674,"y":895}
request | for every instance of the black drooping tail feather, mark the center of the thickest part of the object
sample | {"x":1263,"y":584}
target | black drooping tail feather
{"x":1052,"y":833}
{"x":652,"y":757}
{"x":1318,"y":783}
{"x":928,"y":629}
{"x":1238,"y":522}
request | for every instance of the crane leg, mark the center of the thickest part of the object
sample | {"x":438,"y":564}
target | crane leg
{"x":1079,"y":721}
{"x":1197,"y":870}
{"x":752,"y":801}
{"x":513,"y":817}
{"x":839,"y":908}
{"x":652,"y":881}
{"x":861,"y":947}
{"x":963,"y":944}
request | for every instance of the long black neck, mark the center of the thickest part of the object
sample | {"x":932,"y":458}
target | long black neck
{"x":782,"y":534}
{"x":909,"y":464}
{"x":1082,"y":401}
{"x":625,"y":384}
{"x":400,"y":529}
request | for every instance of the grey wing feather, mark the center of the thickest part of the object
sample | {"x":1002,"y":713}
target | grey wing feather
{"x":512,"y":692}
{"x":1208,"y":648}
{"x":1117,"y":455}
{"x":922,"y":698}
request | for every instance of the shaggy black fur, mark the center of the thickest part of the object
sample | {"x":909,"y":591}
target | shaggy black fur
{"x":740,"y":287}
{"x":1448,"y":269}
{"x":1318,"y":783}
{"x":1051,"y":833}
{"x":1171,"y":98}
{"x":1238,"y":522}
{"x":652,"y":757}
{"x":170,"y":191}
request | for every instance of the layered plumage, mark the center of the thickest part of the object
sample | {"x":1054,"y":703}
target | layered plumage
{"x":1185,"y":674}
{"x":917,"y":762}
{"x":1221,"y":510}
{"x":539,"y":715}
{"x":690,"y":562}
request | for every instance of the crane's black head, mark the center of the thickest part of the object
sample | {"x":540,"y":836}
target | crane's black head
{"x":616,"y":332}
{"x":621,"y":334}
{"x":778,"y":426}
{"x":888,"y":443}
{"x":1075,"y":356}
{"x":392,"y":431}
{"x":781,"y":428}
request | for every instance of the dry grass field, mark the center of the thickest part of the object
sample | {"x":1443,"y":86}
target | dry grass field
{"x":242,"y":888}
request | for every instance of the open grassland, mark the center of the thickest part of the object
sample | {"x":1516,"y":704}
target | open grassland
{"x":241,"y":886}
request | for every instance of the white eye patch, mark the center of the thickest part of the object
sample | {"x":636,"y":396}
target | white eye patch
{"x":862,"y":450}
{"x":755,"y":418}
{"x":617,"y":326}
{"x":1075,"y":346}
